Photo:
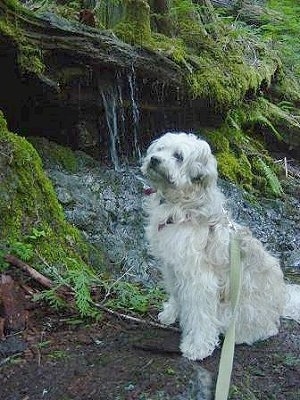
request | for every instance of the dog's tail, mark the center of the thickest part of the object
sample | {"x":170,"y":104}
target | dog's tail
{"x":292,"y":303}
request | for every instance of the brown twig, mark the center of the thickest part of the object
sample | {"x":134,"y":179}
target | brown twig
{"x":16,"y":262}
{"x":62,"y":291}
{"x":135,"y":319}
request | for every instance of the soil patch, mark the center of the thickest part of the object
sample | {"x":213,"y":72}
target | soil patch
{"x":59,"y":357}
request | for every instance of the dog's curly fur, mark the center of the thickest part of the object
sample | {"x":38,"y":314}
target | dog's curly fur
{"x":190,"y":232}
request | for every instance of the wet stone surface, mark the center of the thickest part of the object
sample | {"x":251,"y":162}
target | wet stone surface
{"x":106,"y":205}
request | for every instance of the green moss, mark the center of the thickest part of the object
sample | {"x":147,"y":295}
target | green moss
{"x":286,"y":87}
{"x":237,"y":169}
{"x":28,"y":200}
{"x":135,"y":27}
{"x":224,"y":78}
{"x":53,"y":153}
{"x":173,"y":48}
{"x":242,"y":157}
{"x":219,"y":140}
{"x":228,"y":165}
{"x":188,"y":24}
{"x":30,"y":59}
{"x":221,"y":63}
{"x":233,"y":163}
{"x":279,"y":121}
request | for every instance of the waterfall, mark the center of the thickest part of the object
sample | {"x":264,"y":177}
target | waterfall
{"x":122,"y":117}
{"x":119,"y":128}
{"x":135,"y":113}
{"x":109,"y":97}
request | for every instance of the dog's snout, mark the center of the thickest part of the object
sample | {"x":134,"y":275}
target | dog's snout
{"x":154,"y":161}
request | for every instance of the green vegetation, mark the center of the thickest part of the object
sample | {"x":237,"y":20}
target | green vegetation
{"x":54,"y":154}
{"x":32,"y":223}
{"x":124,"y":295}
{"x":283,"y":30}
{"x":221,"y":63}
{"x":240,"y":148}
{"x":135,"y":27}
{"x":225,"y":62}
{"x":233,"y":67}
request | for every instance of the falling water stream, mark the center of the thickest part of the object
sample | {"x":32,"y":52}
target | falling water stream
{"x":109,"y":97}
{"x":135,"y":113}
{"x":113,"y":102}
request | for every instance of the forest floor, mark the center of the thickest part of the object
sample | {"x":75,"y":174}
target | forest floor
{"x":60,"y":357}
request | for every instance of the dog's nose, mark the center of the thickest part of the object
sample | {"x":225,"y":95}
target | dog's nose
{"x":154,"y":161}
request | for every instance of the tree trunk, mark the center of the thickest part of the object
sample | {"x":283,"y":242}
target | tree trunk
{"x":161,"y":19}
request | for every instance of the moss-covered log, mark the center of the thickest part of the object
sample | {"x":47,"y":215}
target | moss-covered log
{"x":47,"y":36}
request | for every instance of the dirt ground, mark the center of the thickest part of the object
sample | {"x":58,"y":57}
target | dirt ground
{"x":59,"y":357}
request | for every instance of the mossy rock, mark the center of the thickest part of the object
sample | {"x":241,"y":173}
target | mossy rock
{"x":217,"y":63}
{"x":55,"y":154}
{"x":241,"y":154}
{"x":28,"y":202}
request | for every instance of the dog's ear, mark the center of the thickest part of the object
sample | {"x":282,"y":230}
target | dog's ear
{"x":204,"y":167}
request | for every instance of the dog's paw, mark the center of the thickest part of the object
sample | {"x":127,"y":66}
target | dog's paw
{"x":194,"y":351}
{"x":166,"y":318}
{"x":169,"y":314}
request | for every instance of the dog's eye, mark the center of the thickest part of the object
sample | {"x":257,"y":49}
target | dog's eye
{"x":178,"y":156}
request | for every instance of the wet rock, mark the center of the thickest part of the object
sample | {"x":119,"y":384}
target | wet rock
{"x":107,"y":206}
{"x":64,"y":196}
{"x":293,"y":259}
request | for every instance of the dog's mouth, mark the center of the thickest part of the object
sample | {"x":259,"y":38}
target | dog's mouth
{"x":158,"y":174}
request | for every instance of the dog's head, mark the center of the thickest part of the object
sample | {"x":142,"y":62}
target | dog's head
{"x":179,"y":160}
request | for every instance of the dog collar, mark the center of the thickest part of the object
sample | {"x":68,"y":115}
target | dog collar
{"x":148,"y":191}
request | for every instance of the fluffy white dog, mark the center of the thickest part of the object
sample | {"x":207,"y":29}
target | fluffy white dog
{"x":190,"y":232}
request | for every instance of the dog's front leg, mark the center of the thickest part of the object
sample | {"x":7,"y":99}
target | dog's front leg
{"x":198,"y":299}
{"x":170,"y":308}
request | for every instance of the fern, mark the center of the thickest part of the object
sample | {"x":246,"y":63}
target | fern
{"x":52,"y":298}
{"x":81,"y":280}
{"x":271,"y":178}
{"x":133,"y":297}
{"x":36,"y":234}
{"x":266,"y":122}
{"x":81,"y":285}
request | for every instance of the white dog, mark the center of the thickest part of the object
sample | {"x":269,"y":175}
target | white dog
{"x":190,"y":232}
